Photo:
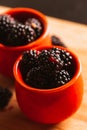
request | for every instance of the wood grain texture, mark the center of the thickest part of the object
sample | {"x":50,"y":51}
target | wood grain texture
{"x":74,"y":35}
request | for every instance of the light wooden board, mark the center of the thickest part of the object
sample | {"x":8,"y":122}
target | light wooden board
{"x":74,"y":35}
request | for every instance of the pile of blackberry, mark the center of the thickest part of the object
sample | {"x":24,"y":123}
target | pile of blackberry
{"x":14,"y":33}
{"x":48,"y":68}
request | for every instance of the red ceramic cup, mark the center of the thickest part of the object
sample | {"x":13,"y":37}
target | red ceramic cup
{"x":50,"y":105}
{"x":9,"y":54}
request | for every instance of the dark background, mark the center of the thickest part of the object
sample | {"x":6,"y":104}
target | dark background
{"x":74,"y":10}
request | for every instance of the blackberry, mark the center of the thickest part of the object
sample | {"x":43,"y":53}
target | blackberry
{"x":43,"y":57}
{"x":56,"y":41}
{"x":29,"y":59}
{"x":63,"y":55}
{"x":61,"y":78}
{"x":20,"y":35}
{"x":6,"y":21}
{"x":36,"y":25}
{"x":66,"y":57}
{"x":49,"y":60}
{"x":37,"y":78}
{"x":5,"y":96}
{"x":55,"y":52}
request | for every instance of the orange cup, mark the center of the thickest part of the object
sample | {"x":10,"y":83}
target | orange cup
{"x":53,"y":105}
{"x":8,"y":55}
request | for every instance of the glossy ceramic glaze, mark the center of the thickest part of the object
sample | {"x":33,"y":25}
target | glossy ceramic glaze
{"x":50,"y":105}
{"x":9,"y":54}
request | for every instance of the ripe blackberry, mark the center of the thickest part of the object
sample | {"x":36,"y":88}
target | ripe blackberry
{"x":37,"y":78}
{"x":6,"y":21}
{"x":49,"y":60}
{"x":36,"y":25}
{"x":55,"y":52}
{"x":56,"y":41}
{"x":66,"y":57}
{"x":63,"y":55}
{"x":20,"y":35}
{"x":61,"y":78}
{"x":43,"y":57}
{"x":5,"y":96}
{"x":29,"y":59}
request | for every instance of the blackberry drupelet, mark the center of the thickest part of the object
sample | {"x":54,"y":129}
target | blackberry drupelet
{"x":5,"y":96}
{"x":56,"y":41}
{"x":28,"y":61}
{"x":20,"y":35}
{"x":6,"y":21}
{"x":36,"y":25}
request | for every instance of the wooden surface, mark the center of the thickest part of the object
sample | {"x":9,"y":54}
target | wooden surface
{"x":74,"y":35}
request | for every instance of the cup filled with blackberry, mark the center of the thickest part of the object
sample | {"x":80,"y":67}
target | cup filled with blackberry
{"x":49,"y":84}
{"x":20,"y":29}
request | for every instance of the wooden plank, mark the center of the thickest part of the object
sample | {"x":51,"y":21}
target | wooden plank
{"x":74,"y":35}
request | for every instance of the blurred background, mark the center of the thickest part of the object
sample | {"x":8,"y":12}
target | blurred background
{"x":74,"y":10}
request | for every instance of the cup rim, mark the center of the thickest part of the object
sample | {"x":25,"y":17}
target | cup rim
{"x":44,"y":21}
{"x":56,"y":89}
